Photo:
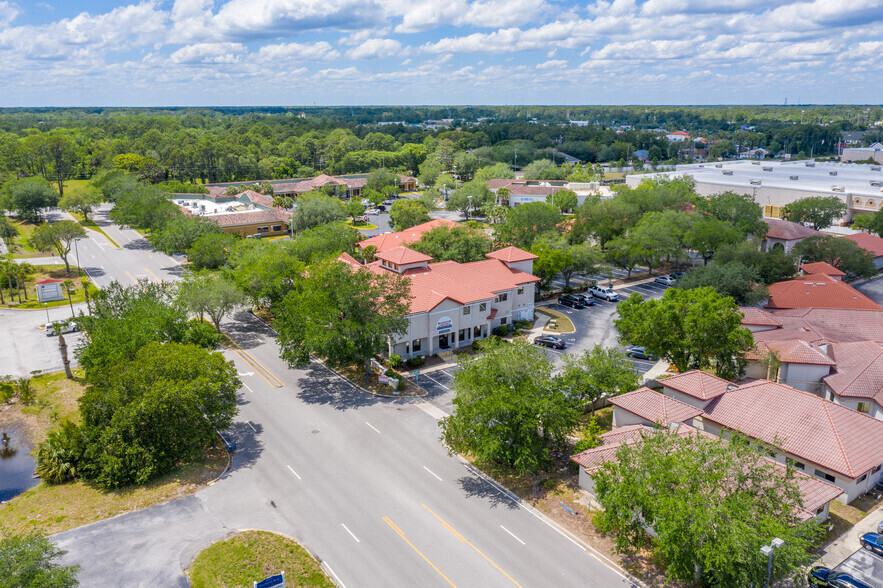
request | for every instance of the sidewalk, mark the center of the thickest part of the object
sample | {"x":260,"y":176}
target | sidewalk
{"x":848,"y":543}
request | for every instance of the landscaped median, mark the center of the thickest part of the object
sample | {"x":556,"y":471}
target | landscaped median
{"x":90,"y":224}
{"x":251,"y":556}
{"x":562,"y":324}
{"x":38,"y":273}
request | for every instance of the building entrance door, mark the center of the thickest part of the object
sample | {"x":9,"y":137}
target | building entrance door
{"x":443,"y":341}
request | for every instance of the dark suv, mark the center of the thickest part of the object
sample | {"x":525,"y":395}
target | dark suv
{"x":571,"y":301}
{"x":587,"y":300}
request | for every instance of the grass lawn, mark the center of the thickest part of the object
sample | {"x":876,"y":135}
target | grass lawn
{"x":20,"y":247}
{"x":564,"y":324}
{"x":56,"y":508}
{"x":356,"y":375}
{"x":44,"y":272}
{"x":90,"y":224}
{"x":360,"y":226}
{"x":251,"y":556}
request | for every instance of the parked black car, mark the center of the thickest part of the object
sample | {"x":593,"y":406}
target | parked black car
{"x":571,"y":301}
{"x":822,"y":576}
{"x":550,"y":341}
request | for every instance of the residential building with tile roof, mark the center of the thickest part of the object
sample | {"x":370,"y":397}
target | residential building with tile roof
{"x":818,"y":291}
{"x":822,"y":438}
{"x":817,"y":494}
{"x":696,"y":387}
{"x":870,"y":243}
{"x":246,"y":214}
{"x":794,"y":362}
{"x":391,"y":240}
{"x":857,"y":381}
{"x":649,"y":407}
{"x":821,"y":267}
{"x":817,"y":325}
{"x":453,"y":304}
{"x":346,"y":186}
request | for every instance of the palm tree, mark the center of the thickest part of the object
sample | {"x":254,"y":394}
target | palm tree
{"x":59,"y":454}
{"x":68,"y":286}
{"x":62,"y":348}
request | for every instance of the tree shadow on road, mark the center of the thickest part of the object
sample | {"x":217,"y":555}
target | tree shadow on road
{"x":476,"y":487}
{"x":248,"y":444}
{"x":139,"y":245}
{"x":247,"y":330}
{"x":322,"y":386}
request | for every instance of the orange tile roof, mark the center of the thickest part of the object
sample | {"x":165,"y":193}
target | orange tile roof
{"x":868,"y":242}
{"x":655,"y":407}
{"x":249,"y":217}
{"x":349,"y":259}
{"x":822,"y":325}
{"x":401,"y":255}
{"x":698,"y":384}
{"x":788,"y":231}
{"x":804,"y":425}
{"x":511,"y":255}
{"x":258,"y":198}
{"x":818,"y":291}
{"x":756,"y":317}
{"x":821,"y":267}
{"x":859,"y":370}
{"x":793,"y":351}
{"x":390,"y":240}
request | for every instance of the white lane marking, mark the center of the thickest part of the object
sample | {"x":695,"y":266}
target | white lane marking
{"x":339,"y":583}
{"x":249,"y":387}
{"x":431,"y":409}
{"x":350,"y":532}
{"x":436,"y":381}
{"x":513,"y":534}
{"x":372,"y":426}
{"x":293,"y":472}
{"x":252,"y":426}
{"x":92,"y":256}
{"x":101,"y":266}
{"x":246,"y":373}
{"x":433,"y":473}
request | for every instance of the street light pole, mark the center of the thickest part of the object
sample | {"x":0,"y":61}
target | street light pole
{"x":767,"y":550}
{"x":77,"y":249}
{"x":46,"y":306}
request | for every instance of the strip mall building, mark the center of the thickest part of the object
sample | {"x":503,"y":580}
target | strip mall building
{"x":452,"y":304}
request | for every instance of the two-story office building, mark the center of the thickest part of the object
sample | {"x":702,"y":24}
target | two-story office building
{"x":452,"y":304}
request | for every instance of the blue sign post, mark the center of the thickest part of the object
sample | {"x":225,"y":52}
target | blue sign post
{"x":277,"y":580}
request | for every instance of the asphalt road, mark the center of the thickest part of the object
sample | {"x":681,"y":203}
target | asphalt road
{"x":363,"y":483}
{"x":873,"y":289}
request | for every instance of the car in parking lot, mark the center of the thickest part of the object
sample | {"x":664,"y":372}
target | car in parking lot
{"x":665,"y":280}
{"x":604,"y":292}
{"x":677,"y":275}
{"x":822,"y":576}
{"x":638,"y":352}
{"x":571,"y":301}
{"x":587,"y":300}
{"x":372,"y":211}
{"x":880,"y":527}
{"x":66,"y":327}
{"x":872,"y":542}
{"x":550,"y":341}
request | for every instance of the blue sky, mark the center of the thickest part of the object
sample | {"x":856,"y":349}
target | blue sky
{"x":328,"y":52}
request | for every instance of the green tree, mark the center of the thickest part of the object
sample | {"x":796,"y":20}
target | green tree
{"x":430,"y":170}
{"x":740,"y":210}
{"x":818,"y":211}
{"x":144,"y":207}
{"x":28,"y":196}
{"x":264,"y":270}
{"x":736,"y":280}
{"x":211,"y":295}
{"x":597,"y":373}
{"x":154,"y":411}
{"x":210,"y":250}
{"x":843,"y":254}
{"x":317,"y":210}
{"x":29,"y":560}
{"x":871,"y":223}
{"x":722,"y":150}
{"x":81,"y":202}
{"x":405,"y":214}
{"x":459,"y":243}
{"x":354,"y":208}
{"x":57,"y":237}
{"x":181,"y":232}
{"x":429,"y":199}
{"x":526,"y":222}
{"x":695,"y":328}
{"x":771,"y":266}
{"x":549,"y":262}
{"x":343,"y":315}
{"x":708,"y":234}
{"x":63,"y":157}
{"x":544,"y":169}
{"x":506,"y":408}
{"x":445,"y":183}
{"x":684,"y":485}
{"x":497,"y":171}
{"x":466,"y":165}
{"x":659,"y":236}
{"x":375,"y":197}
{"x":113,"y":184}
{"x":60,"y":455}
{"x":380,"y":178}
{"x":472,"y":195}
{"x":565,"y":200}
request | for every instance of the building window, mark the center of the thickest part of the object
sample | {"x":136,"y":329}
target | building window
{"x":875,"y":470}
{"x":503,"y":297}
{"x":277,"y":228}
{"x":795,"y":464}
{"x":263,"y":230}
{"x":824,"y":476}
{"x":772,"y":211}
{"x":476,"y":332}
{"x":463,"y":334}
{"x":503,"y":321}
{"x":482,"y":307}
{"x":416,"y":344}
{"x":520,"y":290}
{"x":862,"y":478}
{"x":820,"y":510}
{"x":864,"y":407}
{"x":467,"y":309}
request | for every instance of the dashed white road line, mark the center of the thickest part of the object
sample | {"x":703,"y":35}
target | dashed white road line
{"x":513,"y":535}
{"x":433,"y":473}
{"x":373,"y":427}
{"x":293,"y":472}
{"x":350,"y":532}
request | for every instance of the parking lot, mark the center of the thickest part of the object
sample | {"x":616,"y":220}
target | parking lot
{"x":864,"y":566}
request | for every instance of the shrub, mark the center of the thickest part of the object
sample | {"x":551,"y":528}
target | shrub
{"x":6,"y":389}
{"x":395,"y":360}
{"x":25,"y":391}
{"x":566,"y":290}
{"x":516,"y":332}
{"x":417,"y":361}
{"x":501,"y":331}
{"x":58,"y":457}
{"x":476,"y":345}
{"x":202,"y":334}
{"x":523,"y":324}
{"x":401,"y":385}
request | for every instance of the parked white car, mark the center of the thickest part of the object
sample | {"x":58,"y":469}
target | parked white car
{"x":66,"y":327}
{"x":604,"y":292}
{"x":665,"y":280}
{"x":372,"y":211}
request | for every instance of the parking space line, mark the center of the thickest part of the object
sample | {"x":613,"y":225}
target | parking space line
{"x":436,"y":381}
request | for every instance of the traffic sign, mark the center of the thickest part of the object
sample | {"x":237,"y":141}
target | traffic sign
{"x":277,"y":580}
